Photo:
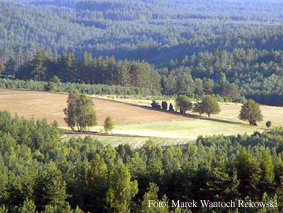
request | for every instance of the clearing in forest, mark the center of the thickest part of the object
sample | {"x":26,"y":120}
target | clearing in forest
{"x":135,"y":120}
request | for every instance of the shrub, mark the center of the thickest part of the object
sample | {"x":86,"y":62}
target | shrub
{"x":268,"y":124}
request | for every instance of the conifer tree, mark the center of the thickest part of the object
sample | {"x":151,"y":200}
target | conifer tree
{"x":49,"y":187}
{"x":209,"y":105}
{"x":121,"y":189}
{"x":151,"y":198}
{"x":28,"y":207}
{"x":251,"y":112}
{"x":184,"y":103}
{"x":10,"y":68}
{"x":267,"y":172}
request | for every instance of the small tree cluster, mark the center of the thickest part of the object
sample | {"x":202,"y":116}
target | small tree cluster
{"x":155,"y":105}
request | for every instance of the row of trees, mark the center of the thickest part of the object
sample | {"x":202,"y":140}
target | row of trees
{"x":203,"y":45}
{"x":42,"y":172}
{"x":250,"y":110}
{"x":208,"y":105}
{"x":92,"y":89}
{"x":85,"y":70}
{"x":196,"y":76}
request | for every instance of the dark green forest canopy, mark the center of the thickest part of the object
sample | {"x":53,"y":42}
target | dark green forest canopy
{"x":156,"y":31}
{"x":185,"y":40}
{"x":39,"y":169}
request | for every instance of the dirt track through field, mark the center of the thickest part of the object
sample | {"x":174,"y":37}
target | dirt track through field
{"x":51,"y":105}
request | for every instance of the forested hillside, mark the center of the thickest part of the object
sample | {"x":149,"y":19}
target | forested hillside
{"x":185,"y":45}
{"x":139,"y":29}
{"x":41,"y":171}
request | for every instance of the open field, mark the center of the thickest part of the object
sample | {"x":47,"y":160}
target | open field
{"x":184,"y":129}
{"x":136,"y":120}
{"x":51,"y":105}
{"x":229,"y":111}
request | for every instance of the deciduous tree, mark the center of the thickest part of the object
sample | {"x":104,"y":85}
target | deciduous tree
{"x":108,"y":124}
{"x":80,"y":112}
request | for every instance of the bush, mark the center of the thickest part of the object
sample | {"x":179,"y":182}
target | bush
{"x":171,"y":108}
{"x":164,"y":105}
{"x":268,"y":124}
{"x":108,"y":124}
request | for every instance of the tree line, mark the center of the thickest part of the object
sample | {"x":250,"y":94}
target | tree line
{"x":250,"y":110}
{"x":41,"y":171}
{"x":54,"y":85}
{"x":200,"y":75}
{"x":244,"y":45}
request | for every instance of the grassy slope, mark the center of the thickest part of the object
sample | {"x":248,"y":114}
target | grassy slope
{"x":134,"y":120}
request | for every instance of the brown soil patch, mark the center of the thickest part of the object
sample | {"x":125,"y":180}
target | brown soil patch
{"x":51,"y":105}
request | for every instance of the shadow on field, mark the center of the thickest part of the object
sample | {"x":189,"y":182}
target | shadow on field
{"x":174,"y":113}
{"x":191,"y":115}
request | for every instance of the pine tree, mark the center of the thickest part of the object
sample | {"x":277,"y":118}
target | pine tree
{"x":251,"y":111}
{"x":10,"y":68}
{"x":248,"y":174}
{"x":151,"y":198}
{"x":28,"y":207}
{"x":209,"y":105}
{"x":121,"y":189}
{"x":184,"y":103}
{"x":49,"y":187}
{"x":39,"y":70}
{"x":199,"y":87}
{"x":267,"y":172}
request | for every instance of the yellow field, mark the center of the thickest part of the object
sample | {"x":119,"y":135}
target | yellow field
{"x":135,"y":118}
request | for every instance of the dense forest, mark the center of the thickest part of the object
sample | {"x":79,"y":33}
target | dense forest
{"x":172,"y":46}
{"x":41,"y":171}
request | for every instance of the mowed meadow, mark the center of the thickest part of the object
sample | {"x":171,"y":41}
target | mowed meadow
{"x":135,"y":124}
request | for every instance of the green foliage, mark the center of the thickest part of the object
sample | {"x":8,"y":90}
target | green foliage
{"x":10,"y":68}
{"x":55,"y":79}
{"x":82,"y":175}
{"x":251,"y":112}
{"x":150,"y":200}
{"x":208,"y":105}
{"x":121,"y":189}
{"x":96,"y":89}
{"x":49,"y":187}
{"x":28,"y":207}
{"x":80,"y":112}
{"x":184,"y":103}
{"x":199,"y":108}
{"x":108,"y":124}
